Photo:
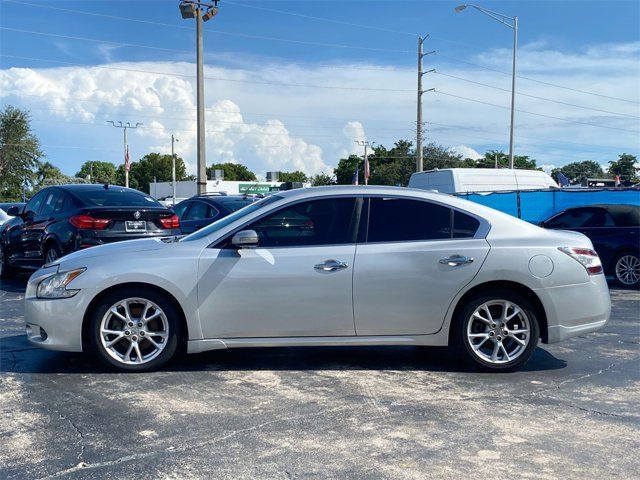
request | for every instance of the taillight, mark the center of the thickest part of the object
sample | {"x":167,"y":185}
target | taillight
{"x":170,"y":222}
{"x":586,"y":257}
{"x":87,"y":222}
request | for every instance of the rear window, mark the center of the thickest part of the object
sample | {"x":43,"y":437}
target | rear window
{"x":115,"y":197}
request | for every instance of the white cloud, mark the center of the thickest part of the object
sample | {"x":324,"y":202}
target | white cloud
{"x":466,"y":152}
{"x":548,"y":167}
{"x":269,"y":127}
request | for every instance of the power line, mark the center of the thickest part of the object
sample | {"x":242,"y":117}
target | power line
{"x":222,"y":32}
{"x":537,"y":114}
{"x":322,"y":19}
{"x":457,"y":60}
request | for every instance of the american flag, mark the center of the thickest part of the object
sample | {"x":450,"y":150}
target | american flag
{"x":127,"y":165}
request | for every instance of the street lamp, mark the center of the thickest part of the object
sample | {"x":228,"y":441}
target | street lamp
{"x":504,"y":19}
{"x":202,"y":12}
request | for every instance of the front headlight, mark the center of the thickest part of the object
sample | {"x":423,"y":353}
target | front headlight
{"x":55,"y":285}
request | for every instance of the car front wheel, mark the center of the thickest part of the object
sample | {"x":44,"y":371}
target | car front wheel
{"x":135,"y":329}
{"x":497,"y":332}
{"x":627,"y":270}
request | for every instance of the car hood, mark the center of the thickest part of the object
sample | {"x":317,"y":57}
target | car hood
{"x":117,"y":248}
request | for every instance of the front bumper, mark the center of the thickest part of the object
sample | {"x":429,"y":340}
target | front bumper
{"x":54,"y":324}
{"x":574,"y":310}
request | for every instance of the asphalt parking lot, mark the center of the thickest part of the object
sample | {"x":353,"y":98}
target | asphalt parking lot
{"x":574,"y":412}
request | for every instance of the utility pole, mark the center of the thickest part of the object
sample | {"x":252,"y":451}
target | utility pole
{"x":202,"y":12}
{"x":367,"y":171}
{"x":125,"y":127}
{"x":173,"y":167}
{"x":419,"y":123}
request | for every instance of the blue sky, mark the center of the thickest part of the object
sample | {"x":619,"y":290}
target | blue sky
{"x":592,"y":46}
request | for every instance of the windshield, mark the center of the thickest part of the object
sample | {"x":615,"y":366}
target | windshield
{"x":229,"y":219}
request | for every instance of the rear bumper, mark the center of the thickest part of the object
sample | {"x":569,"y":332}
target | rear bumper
{"x":574,"y":310}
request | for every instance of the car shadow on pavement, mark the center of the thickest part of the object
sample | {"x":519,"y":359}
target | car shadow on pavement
{"x":18,"y":356}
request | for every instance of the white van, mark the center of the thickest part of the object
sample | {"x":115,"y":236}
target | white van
{"x":464,"y":180}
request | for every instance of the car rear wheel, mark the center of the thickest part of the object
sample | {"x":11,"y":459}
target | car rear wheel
{"x":627,"y":270}
{"x":135,"y":330}
{"x":6,"y":270}
{"x":497,"y":332}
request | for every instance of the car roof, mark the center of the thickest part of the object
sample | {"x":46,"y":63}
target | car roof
{"x":92,"y":187}
{"x":621,"y":213}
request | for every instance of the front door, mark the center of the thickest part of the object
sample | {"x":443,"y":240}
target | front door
{"x":23,"y":236}
{"x":297,"y":282}
{"x":416,"y":257}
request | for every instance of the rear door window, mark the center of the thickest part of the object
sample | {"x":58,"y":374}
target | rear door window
{"x":199,"y":211}
{"x":34,"y":204}
{"x":576,"y":218}
{"x":464,"y":226}
{"x":406,"y":220}
{"x":50,"y":201}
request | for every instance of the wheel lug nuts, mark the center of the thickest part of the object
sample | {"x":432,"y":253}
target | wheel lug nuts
{"x":491,"y":334}
{"x":505,"y":333}
{"x":139,"y":324}
{"x":127,"y":332}
{"x":134,"y":338}
{"x":142,"y":334}
{"x":493,"y":325}
{"x":130,"y":324}
{"x":498,"y":337}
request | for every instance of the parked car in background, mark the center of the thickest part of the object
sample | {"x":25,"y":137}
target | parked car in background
{"x":62,"y":219}
{"x":6,"y":206}
{"x":615,"y":233}
{"x":4,"y":217}
{"x":201,"y":210}
{"x":342,"y":265}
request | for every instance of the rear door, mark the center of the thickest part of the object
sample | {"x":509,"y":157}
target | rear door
{"x":200,"y":214}
{"x":417,"y":255}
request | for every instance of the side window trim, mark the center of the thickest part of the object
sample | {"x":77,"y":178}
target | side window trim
{"x":224,"y":242}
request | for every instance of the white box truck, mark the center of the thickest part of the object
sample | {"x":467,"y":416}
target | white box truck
{"x":464,"y":180}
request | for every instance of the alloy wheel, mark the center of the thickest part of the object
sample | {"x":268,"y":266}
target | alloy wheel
{"x":498,"y":331}
{"x":134,"y":331}
{"x":628,"y":270}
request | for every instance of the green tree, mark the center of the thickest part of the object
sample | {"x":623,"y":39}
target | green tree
{"x":438,"y":156}
{"x":321,"y":179}
{"x":100,"y":172}
{"x":19,"y":152}
{"x":48,"y":174}
{"x":625,"y":166}
{"x":233,"y":172}
{"x":296,"y":176}
{"x":519,"y":161}
{"x":142,"y":172}
{"x":578,"y":172}
{"x":346,"y":168}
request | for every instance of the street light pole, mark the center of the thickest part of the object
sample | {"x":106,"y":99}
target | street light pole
{"x":202,"y":12}
{"x":513,"y":25}
{"x":173,"y":167}
{"x":124,"y":127}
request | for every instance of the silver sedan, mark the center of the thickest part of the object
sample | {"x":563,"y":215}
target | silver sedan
{"x":327,"y":266}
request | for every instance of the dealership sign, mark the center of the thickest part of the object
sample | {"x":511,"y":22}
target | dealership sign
{"x":254,"y":188}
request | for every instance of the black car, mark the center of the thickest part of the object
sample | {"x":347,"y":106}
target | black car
{"x":615,"y":233}
{"x":201,"y":210}
{"x":62,"y":219}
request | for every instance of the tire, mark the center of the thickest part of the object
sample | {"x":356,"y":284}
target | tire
{"x":130,"y":340}
{"x":626,"y":270}
{"x":6,"y":271}
{"x":478,"y":335}
{"x":51,"y":253}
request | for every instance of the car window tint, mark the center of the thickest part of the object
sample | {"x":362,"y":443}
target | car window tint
{"x":315,"y":222}
{"x":181,"y":208}
{"x":35,"y":202}
{"x":49,"y":204}
{"x":236,"y":203}
{"x":61,"y":204}
{"x":608,"y":220}
{"x":576,"y":218}
{"x":464,"y":226}
{"x":213,"y":212}
{"x":403,"y":220}
{"x":115,"y":197}
{"x":198,"y":211}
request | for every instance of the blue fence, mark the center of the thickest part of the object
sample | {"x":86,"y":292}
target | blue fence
{"x":537,"y":205}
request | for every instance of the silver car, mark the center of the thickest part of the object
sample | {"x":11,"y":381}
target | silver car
{"x":327,"y":266}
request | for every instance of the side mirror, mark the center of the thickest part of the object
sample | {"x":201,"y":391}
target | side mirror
{"x":28,"y":215}
{"x":13,"y":211}
{"x":245,"y":238}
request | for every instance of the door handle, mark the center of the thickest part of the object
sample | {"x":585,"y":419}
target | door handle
{"x":454,"y":260}
{"x":331,"y":266}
